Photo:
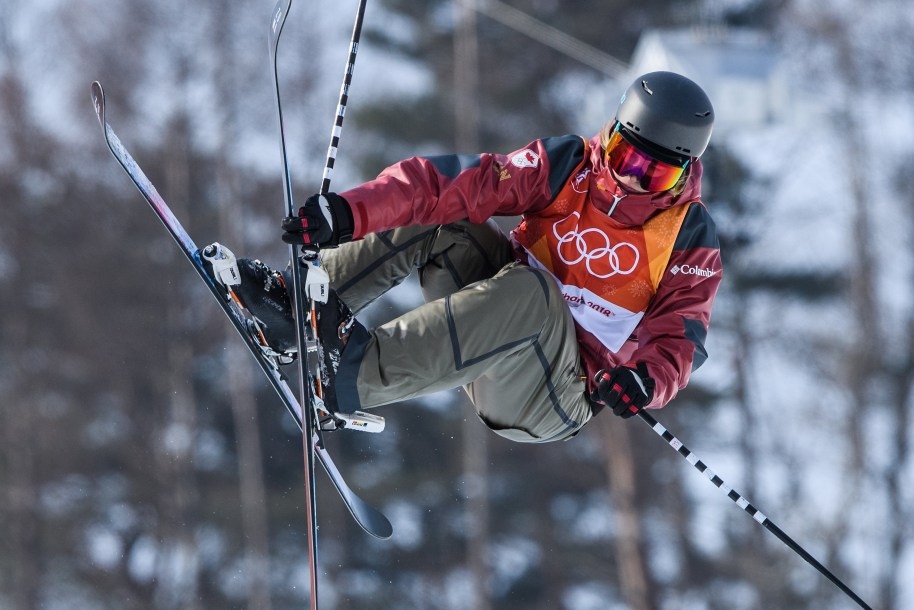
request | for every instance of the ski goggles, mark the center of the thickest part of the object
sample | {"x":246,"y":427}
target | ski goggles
{"x":653,"y":175}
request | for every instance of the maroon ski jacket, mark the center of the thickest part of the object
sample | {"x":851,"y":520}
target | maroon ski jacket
{"x":650,"y":301}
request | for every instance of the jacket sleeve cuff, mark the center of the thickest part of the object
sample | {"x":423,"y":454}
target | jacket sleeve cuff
{"x":360,"y":224}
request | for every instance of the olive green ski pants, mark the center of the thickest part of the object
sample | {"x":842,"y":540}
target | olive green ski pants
{"x":496,"y":327}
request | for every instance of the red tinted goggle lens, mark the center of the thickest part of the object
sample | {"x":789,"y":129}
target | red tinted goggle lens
{"x":626,"y":160}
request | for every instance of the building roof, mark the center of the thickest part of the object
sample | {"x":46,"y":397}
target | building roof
{"x":738,"y":68}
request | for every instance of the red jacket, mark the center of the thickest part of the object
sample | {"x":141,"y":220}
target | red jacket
{"x":669,"y":338}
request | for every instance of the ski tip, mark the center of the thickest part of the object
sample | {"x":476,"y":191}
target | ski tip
{"x":98,"y":101}
{"x":384,"y":531}
{"x":373,"y":522}
{"x":279,"y":17}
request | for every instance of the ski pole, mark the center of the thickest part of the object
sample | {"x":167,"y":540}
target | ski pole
{"x":314,"y":257}
{"x":344,"y":98}
{"x":740,"y":501}
{"x":280,"y":12}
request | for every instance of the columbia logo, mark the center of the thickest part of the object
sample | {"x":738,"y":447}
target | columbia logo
{"x":692,"y":270}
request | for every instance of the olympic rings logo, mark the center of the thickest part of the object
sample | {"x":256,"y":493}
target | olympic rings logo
{"x":605,"y":253}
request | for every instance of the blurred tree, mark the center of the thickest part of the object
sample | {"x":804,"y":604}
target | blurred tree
{"x":849,"y":59}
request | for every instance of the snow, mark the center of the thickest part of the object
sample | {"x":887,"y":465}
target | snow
{"x":142,"y":560}
{"x":585,"y":519}
{"x":511,"y":558}
{"x":104,"y":547}
{"x":798,"y":186}
{"x":406,"y":519}
{"x":592,"y":596}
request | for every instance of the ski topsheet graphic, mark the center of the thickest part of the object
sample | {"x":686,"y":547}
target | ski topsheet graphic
{"x":369,"y":518}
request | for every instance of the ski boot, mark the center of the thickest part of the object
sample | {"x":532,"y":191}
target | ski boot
{"x":262,"y":298}
{"x":335,"y":324}
{"x":263,"y":294}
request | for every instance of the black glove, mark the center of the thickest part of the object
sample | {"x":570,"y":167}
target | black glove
{"x":624,"y":390}
{"x":325,"y":221}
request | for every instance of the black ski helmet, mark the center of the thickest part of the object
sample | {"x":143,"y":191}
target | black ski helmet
{"x":668,"y":110}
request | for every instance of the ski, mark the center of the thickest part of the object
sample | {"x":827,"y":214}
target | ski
{"x":369,"y":518}
{"x":310,"y":390}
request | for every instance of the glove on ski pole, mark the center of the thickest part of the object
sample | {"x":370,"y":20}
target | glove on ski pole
{"x":325,"y":221}
{"x":624,"y":390}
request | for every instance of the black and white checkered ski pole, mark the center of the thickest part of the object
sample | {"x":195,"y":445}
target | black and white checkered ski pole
{"x":344,"y":98}
{"x":313,"y":257}
{"x":740,"y":501}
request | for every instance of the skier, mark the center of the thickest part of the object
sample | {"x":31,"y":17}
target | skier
{"x":600,"y":298}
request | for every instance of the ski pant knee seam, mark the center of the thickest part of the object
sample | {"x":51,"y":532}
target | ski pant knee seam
{"x":394,"y":251}
{"x":542,"y":280}
{"x":550,"y":384}
{"x":452,"y":270}
{"x":459,"y":362}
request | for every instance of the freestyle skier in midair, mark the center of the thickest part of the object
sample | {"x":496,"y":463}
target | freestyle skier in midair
{"x":613,"y":268}
{"x":600,"y":297}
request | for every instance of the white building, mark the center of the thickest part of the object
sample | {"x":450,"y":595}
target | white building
{"x":738,"y":68}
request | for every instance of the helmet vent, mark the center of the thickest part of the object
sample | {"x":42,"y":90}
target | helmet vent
{"x":703,"y":114}
{"x":646,"y":88}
